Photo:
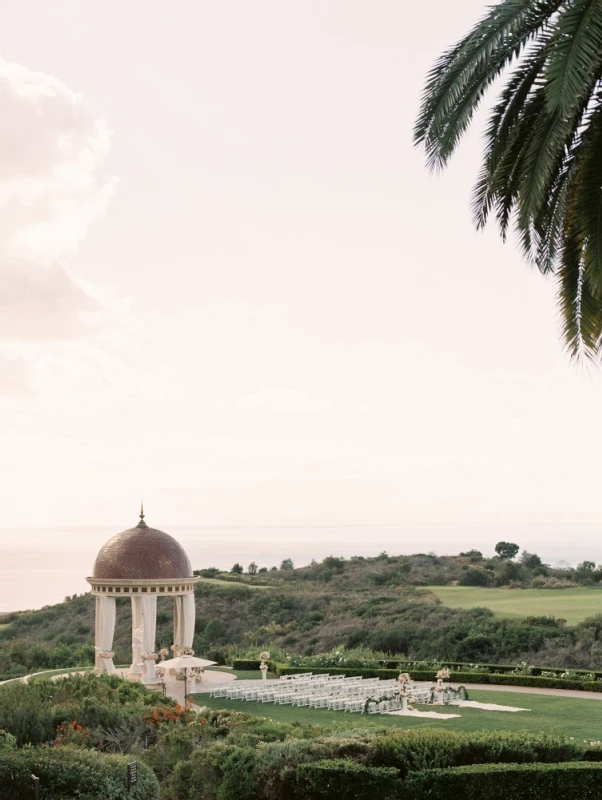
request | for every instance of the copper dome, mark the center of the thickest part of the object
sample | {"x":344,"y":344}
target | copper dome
{"x":142,"y":553}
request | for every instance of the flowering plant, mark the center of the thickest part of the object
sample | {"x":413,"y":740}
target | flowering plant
{"x":160,"y":672}
{"x":163,"y":652}
{"x":106,"y":654}
{"x":149,"y":656}
{"x":443,"y":674}
{"x":264,"y":656}
{"x":174,"y":648}
{"x":187,"y":651}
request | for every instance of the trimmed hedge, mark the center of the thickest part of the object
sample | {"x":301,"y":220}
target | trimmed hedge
{"x":69,"y":772}
{"x":345,"y":780}
{"x":456,"y":677}
{"x":244,"y":663}
{"x":497,"y":669}
{"x":251,"y":664}
{"x":570,"y":781}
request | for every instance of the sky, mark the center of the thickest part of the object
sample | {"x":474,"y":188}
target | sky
{"x":230,"y":285}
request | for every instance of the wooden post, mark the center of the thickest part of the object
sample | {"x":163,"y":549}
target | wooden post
{"x":35,"y":785}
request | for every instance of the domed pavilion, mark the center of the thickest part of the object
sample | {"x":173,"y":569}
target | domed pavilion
{"x":141,"y":563}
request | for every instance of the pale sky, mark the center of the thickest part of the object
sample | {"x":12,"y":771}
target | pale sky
{"x":229,"y":284}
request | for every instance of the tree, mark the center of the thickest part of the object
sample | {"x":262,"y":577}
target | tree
{"x":530,"y":560}
{"x":541,"y":167}
{"x":252,"y":568}
{"x":287,"y":563}
{"x":237,"y":569}
{"x":506,"y":550}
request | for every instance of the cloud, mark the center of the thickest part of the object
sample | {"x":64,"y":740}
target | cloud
{"x":51,"y":184}
{"x":280,"y":398}
{"x":41,"y":303}
{"x":58,"y":333}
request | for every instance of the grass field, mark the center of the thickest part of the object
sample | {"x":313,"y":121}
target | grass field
{"x":581,"y":719}
{"x":220,"y":582}
{"x":573,"y":604}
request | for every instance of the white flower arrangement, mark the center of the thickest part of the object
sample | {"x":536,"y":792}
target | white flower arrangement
{"x":264,"y":656}
{"x":443,"y":674}
{"x":163,"y":652}
{"x":187,"y":651}
{"x":106,"y":654}
{"x":149,"y":656}
{"x":160,"y":672}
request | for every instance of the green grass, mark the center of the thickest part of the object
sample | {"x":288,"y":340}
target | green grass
{"x":572,"y":604}
{"x":220,"y":582}
{"x":581,"y":719}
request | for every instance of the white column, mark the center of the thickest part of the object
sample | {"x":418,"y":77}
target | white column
{"x":177,"y":621}
{"x":137,"y":634}
{"x":97,"y":629}
{"x":149,"y":617}
{"x":105,"y":630}
{"x":188,"y":615}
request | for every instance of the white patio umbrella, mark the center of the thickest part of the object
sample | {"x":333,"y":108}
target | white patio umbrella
{"x":185,"y":663}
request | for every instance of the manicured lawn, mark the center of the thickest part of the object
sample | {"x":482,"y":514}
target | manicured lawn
{"x":581,"y":719}
{"x":573,"y":604}
{"x":220,"y":582}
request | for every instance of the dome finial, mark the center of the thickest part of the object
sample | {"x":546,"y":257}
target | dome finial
{"x":142,"y":523}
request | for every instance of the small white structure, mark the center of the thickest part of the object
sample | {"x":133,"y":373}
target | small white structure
{"x":141,"y":563}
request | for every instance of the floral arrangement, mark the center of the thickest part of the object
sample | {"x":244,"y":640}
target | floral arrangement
{"x":174,"y":649}
{"x":197,"y":672}
{"x":264,"y":656}
{"x":443,"y":674}
{"x":106,"y":654}
{"x":263,"y":666}
{"x":186,"y":651}
{"x":160,"y":672}
{"x":163,"y":652}
{"x":149,"y":656}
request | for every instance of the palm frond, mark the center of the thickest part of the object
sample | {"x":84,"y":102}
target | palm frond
{"x":576,"y":56}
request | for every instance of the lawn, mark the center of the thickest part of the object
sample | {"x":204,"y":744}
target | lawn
{"x":573,"y":604}
{"x":220,"y":582}
{"x":581,"y":719}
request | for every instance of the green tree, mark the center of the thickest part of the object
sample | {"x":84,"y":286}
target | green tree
{"x":530,"y":560}
{"x":541,"y":167}
{"x":287,"y":563}
{"x":237,"y":569}
{"x":506,"y":550}
{"x":252,"y":568}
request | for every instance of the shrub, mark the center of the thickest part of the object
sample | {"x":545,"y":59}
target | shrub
{"x":571,"y":781}
{"x":420,"y":750}
{"x":72,"y":772}
{"x":345,"y":780}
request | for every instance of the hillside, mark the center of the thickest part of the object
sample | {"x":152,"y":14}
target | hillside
{"x":381,"y":602}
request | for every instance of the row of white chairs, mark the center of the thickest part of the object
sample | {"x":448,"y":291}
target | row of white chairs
{"x":334,"y":692}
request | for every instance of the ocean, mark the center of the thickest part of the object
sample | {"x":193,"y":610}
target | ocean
{"x":40,"y":567}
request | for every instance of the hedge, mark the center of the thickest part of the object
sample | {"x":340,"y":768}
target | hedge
{"x":569,"y":781}
{"x":345,"y":780}
{"x":456,"y":677}
{"x":251,"y":664}
{"x":497,"y":669}
{"x":69,"y":772}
